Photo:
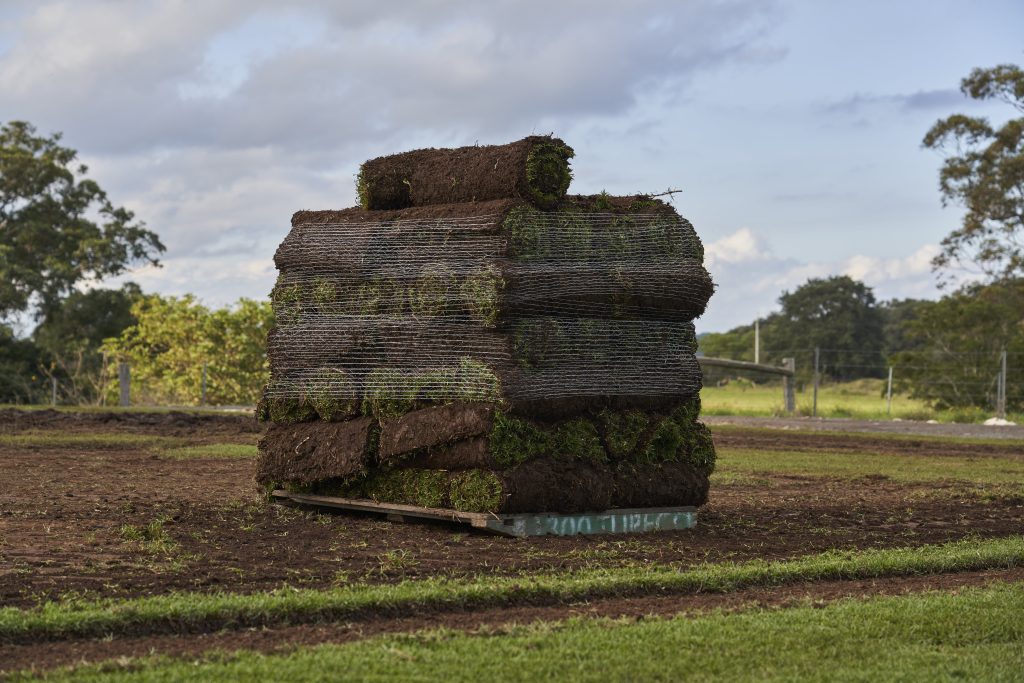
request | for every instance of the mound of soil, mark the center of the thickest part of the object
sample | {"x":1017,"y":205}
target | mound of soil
{"x":535,"y":168}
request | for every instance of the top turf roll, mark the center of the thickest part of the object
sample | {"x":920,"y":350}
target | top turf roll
{"x":535,"y":169}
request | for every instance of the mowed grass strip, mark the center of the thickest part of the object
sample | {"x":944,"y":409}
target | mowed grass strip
{"x":201,"y":612}
{"x":173,"y":447}
{"x":975,"y":634}
{"x":211,"y":450}
{"x":982,"y":469}
{"x":105,"y":441}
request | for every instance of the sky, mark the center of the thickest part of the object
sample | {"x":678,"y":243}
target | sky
{"x":793,"y":128}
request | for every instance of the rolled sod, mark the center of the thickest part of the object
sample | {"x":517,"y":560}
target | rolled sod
{"x":547,"y":485}
{"x":475,"y":436}
{"x":581,"y":228}
{"x":535,"y":169}
{"x":489,"y":293}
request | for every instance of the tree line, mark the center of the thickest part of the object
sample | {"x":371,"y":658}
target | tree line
{"x":60,"y":236}
{"x":947,"y":351}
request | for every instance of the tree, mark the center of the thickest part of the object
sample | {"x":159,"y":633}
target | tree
{"x":58,"y":228}
{"x":984,"y":171}
{"x":172,"y":339}
{"x":897,"y":317}
{"x":71,"y":337}
{"x":839,"y":315}
{"x":959,"y":342}
{"x":736,"y":344}
{"x":20,"y":380}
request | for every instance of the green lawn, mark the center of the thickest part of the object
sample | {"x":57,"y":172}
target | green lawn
{"x":980,"y":470}
{"x":204,"y":612}
{"x":862,"y":399}
{"x":105,"y":440}
{"x":972,"y":635}
{"x":212,"y":450}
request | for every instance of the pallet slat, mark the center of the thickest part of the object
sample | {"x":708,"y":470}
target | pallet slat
{"x":621,"y":521}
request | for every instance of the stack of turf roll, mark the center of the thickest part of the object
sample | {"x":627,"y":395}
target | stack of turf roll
{"x":473,"y":338}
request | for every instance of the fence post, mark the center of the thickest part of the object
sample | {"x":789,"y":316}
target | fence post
{"x":53,"y":390}
{"x":757,"y":341}
{"x":202,"y":399}
{"x":814,"y":408}
{"x":1001,"y":387}
{"x":789,"y":384}
{"x":888,"y":395}
{"x":124,"y":380}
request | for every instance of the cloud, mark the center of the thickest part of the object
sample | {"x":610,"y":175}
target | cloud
{"x":215,"y":121}
{"x":750,"y":277}
{"x":922,"y":100}
{"x":236,"y":74}
{"x":741,"y":246}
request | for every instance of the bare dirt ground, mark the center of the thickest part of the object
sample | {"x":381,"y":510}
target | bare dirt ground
{"x":64,"y":513}
{"x":878,"y":426}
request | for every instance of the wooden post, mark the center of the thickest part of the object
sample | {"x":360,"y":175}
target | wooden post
{"x":202,"y":399}
{"x":888,"y":394}
{"x":124,"y":380}
{"x":817,"y":355}
{"x":53,"y":390}
{"x":757,"y":341}
{"x":789,"y":384}
{"x":1001,"y":388}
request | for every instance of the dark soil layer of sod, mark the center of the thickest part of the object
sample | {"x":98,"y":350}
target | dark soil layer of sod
{"x":305,"y":453}
{"x":44,"y":656}
{"x":63,"y":511}
{"x":535,"y":169}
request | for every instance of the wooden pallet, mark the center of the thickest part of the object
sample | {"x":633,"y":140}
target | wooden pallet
{"x":631,"y":521}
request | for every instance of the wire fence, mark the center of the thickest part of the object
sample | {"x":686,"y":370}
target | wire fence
{"x":944,"y":378}
{"x":989,"y":380}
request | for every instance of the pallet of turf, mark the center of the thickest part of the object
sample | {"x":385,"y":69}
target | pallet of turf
{"x":482,"y":342}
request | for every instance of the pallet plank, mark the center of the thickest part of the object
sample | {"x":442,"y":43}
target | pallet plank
{"x":622,"y":521}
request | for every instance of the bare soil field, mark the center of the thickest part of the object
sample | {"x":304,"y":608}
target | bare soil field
{"x":130,"y":521}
